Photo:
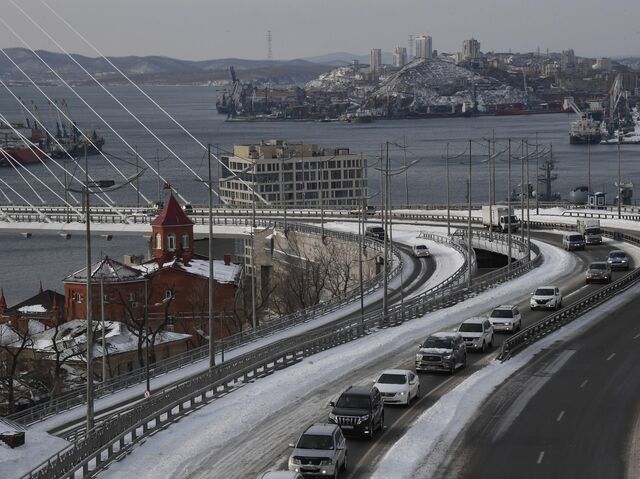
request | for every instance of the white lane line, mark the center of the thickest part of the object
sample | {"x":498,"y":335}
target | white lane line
{"x":636,"y":336}
{"x":540,"y":457}
{"x":584,"y":383}
{"x":560,"y":416}
{"x":611,"y":357}
{"x":577,"y":291}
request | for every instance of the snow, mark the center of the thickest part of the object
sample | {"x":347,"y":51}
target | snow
{"x":225,"y":421}
{"x":427,"y":443}
{"x":37,"y":448}
{"x":33,"y":308}
{"x":435,"y":350}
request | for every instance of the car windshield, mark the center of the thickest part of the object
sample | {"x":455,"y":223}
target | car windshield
{"x":514,"y":219}
{"x":441,"y":343}
{"x":501,"y":313}
{"x":575,"y":238}
{"x":376,"y":230}
{"x":470,"y":328}
{"x":313,"y":441}
{"x":617,"y":254}
{"x":597,"y":266}
{"x":544,"y":292}
{"x":420,"y":246}
{"x":593,"y":231}
{"x":353,"y":401}
{"x":393,"y":379}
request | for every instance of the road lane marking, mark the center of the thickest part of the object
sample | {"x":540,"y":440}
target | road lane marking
{"x":611,"y":357}
{"x":584,"y":383}
{"x":540,"y":457}
{"x":636,"y":336}
{"x":560,"y":416}
{"x":577,"y":291}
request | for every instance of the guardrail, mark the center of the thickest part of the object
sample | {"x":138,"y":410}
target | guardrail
{"x":77,"y":397}
{"x":112,"y":436}
{"x":550,"y":323}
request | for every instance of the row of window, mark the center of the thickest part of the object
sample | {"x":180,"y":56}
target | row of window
{"x":133,"y":298}
{"x":171,"y":241}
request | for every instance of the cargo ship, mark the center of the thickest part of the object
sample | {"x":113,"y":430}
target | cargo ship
{"x":20,"y":152}
{"x":585,"y":131}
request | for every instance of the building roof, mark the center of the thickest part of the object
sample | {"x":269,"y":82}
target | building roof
{"x":222,"y":273}
{"x":172,"y":215}
{"x":109,"y":271}
{"x":42,"y":302}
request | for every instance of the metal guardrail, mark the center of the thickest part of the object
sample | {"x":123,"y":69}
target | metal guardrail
{"x":77,"y":397}
{"x":115,"y":434}
{"x":552,"y":322}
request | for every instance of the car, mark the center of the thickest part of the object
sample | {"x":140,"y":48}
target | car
{"x":281,"y":475}
{"x":321,"y":451}
{"x":187,"y":208}
{"x":398,"y":386}
{"x":420,"y":250}
{"x":598,"y":271}
{"x":618,"y":259}
{"x":370,"y":210}
{"x":375,"y":232}
{"x":359,"y":411}
{"x":442,"y":351}
{"x":477,"y":333}
{"x":506,"y":317}
{"x":546,"y":297}
{"x":571,"y":241}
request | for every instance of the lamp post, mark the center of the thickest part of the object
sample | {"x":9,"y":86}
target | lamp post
{"x":91,"y":188}
{"x":619,"y":176}
{"x":212,"y":294}
{"x":509,"y":211}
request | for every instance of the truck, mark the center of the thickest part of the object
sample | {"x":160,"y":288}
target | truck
{"x":590,"y":230}
{"x":498,"y":217}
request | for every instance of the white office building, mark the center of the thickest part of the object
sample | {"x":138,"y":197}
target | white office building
{"x":470,"y":49}
{"x":376,"y":59}
{"x":400,"y":57}
{"x":424,"y":47}
{"x":293,"y":174}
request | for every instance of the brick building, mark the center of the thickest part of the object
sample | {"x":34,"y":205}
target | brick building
{"x":174,"y":283}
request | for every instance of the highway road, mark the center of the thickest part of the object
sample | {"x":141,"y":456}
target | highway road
{"x":266,"y":445}
{"x":573,"y":412}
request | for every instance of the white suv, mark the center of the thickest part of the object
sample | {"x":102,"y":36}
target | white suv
{"x":420,"y":250}
{"x":506,"y":317}
{"x":546,"y":297}
{"x":477,"y":333}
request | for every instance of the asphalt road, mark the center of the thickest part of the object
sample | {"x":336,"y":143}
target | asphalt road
{"x":569,"y":414}
{"x":266,"y":445}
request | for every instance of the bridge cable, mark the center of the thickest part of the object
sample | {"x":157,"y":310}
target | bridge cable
{"x":81,"y":99}
{"x":45,"y":217}
{"x":11,"y":162}
{"x":124,"y":75}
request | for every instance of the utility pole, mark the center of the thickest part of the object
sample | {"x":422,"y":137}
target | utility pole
{"x":89,"y":425}
{"x":537,"y":179}
{"x":528,"y":210}
{"x":146,"y":335}
{"x":361,"y":230}
{"x":448,"y":195}
{"x":406,"y":172}
{"x":469,"y":244}
{"x":490,"y":189}
{"x":509,"y":211}
{"x":522,"y":158}
{"x":386,"y":236}
{"x":212,"y":330}
{"x":104,"y":343}
{"x":619,"y":176}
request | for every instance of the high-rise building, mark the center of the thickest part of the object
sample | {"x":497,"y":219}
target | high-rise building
{"x":376,"y":59}
{"x":400,"y":57}
{"x":424,"y":47}
{"x":470,"y":49}
{"x":568,"y":60}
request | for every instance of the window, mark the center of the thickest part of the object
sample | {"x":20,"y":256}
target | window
{"x":171,"y":242}
{"x":77,"y":297}
{"x":105,"y":298}
{"x":184,"y":243}
{"x":158,"y":241}
{"x":168,"y":294}
{"x":132,"y":297}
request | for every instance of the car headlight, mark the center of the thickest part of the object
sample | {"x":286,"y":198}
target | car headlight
{"x":401,"y":393}
{"x":295,"y":460}
{"x":326,"y":462}
{"x":332,"y":417}
{"x":363,"y":418}
{"x":625,"y":260}
{"x":447,"y":357}
{"x":418,"y":357}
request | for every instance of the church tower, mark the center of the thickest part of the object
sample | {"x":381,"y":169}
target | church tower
{"x":172,"y":234}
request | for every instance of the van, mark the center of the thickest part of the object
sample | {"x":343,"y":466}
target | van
{"x":572,"y":241}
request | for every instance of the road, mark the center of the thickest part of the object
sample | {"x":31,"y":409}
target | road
{"x":266,"y":445}
{"x":576,"y":417}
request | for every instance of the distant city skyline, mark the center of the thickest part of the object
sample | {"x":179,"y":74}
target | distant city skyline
{"x":201,"y":29}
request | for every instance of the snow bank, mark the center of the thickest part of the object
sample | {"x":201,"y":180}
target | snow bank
{"x":37,"y":448}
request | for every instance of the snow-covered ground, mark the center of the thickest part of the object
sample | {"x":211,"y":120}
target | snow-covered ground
{"x":38,"y":447}
{"x":425,"y":445}
{"x":204,"y":433}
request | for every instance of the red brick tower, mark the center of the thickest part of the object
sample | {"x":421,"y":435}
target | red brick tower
{"x":172,"y":234}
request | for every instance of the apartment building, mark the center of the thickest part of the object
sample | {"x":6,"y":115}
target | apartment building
{"x":293,"y":174}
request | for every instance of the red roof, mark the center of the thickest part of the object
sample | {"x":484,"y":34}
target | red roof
{"x":172,"y":215}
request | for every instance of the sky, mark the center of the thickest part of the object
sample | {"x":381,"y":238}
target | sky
{"x":210,"y":29}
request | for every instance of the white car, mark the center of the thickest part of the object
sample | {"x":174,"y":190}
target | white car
{"x":546,"y":297}
{"x":398,"y":386}
{"x":420,"y":251}
{"x":477,"y":333}
{"x":506,"y":317}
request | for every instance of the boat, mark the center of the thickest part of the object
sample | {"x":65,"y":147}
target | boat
{"x":23,"y":152}
{"x":630,"y":138}
{"x":585,"y":131}
{"x":74,"y":145}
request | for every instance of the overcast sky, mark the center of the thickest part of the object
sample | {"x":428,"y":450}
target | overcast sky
{"x":208,"y":29}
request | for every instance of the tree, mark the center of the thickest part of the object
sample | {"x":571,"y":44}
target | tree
{"x":13,"y":342}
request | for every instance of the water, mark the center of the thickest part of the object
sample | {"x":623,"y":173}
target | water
{"x":24,"y":263}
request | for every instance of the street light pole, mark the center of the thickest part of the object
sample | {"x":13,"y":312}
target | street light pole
{"x":212,"y":326}
{"x":87,"y":211}
{"x":146,"y":337}
{"x":509,"y":211}
{"x":448,"y":197}
{"x":619,"y":176}
{"x":104,"y":348}
{"x":386,"y":236}
{"x":469,"y":245}
{"x":490,"y":189}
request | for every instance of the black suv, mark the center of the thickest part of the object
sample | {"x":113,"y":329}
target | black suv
{"x":375,"y":232}
{"x":359,"y":411}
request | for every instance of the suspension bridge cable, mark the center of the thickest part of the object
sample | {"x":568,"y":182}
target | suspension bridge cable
{"x":11,"y":162}
{"x":35,"y":208}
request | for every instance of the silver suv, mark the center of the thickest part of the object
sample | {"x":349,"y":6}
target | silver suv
{"x":321,"y":451}
{"x":477,"y":333}
{"x":442,"y":352}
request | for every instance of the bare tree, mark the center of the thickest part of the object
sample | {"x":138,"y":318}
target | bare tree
{"x":341,"y":261}
{"x":13,"y":342}
{"x":62,"y":354}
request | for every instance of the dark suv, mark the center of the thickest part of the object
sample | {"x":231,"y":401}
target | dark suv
{"x":359,"y":411}
{"x":375,"y":232}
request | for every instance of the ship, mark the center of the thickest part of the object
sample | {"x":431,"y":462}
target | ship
{"x":74,"y":145}
{"x":24,"y":152}
{"x":585,"y":131}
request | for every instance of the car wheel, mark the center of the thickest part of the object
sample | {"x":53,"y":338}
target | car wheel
{"x":344,"y":463}
{"x":418,"y":393}
{"x":491,"y":342}
{"x":484,"y":346}
{"x":452,"y":366}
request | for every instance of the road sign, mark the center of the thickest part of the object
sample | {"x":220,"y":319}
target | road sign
{"x":147,"y":394}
